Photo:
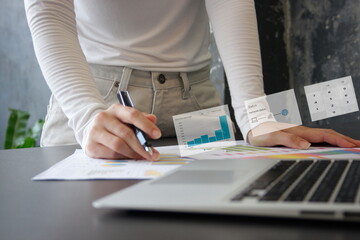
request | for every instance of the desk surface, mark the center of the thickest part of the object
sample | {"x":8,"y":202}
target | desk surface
{"x":62,"y":210}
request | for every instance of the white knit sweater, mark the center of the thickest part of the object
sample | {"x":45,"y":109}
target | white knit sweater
{"x":158,"y":35}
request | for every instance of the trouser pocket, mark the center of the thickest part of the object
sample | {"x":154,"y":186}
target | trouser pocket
{"x":56,"y":131}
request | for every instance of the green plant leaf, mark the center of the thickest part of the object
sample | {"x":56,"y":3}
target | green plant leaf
{"x":35,"y":131}
{"x":16,"y":129}
{"x":28,"y":143}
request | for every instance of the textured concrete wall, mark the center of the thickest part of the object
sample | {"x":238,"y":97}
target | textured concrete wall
{"x":21,"y":83}
{"x":305,"y":42}
{"x":271,"y":24}
{"x":323,"y":43}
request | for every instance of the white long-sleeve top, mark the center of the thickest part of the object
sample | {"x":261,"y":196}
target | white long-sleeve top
{"x":154,"y":35}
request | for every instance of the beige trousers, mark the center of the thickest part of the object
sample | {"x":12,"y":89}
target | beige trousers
{"x":164,"y":94}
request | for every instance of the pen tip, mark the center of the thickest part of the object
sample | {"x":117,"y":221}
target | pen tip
{"x":149,"y":150}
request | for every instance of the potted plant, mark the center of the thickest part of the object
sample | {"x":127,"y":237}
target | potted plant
{"x":17,"y":136}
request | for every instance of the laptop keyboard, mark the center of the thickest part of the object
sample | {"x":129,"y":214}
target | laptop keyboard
{"x":307,"y":181}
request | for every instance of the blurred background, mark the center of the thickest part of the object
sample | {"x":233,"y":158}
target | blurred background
{"x":302,"y":42}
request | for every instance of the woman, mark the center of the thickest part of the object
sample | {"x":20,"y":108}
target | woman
{"x":158,"y":51}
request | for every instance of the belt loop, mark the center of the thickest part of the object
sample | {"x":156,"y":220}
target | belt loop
{"x":125,"y":78}
{"x":185,"y":80}
{"x":155,"y":90}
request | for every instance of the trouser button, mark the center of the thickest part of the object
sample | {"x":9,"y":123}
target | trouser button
{"x":161,"y":79}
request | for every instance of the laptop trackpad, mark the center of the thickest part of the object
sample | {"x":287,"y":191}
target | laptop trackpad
{"x":198,"y":177}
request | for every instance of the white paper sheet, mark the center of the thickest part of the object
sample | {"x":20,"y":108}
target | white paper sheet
{"x":78,"y":166}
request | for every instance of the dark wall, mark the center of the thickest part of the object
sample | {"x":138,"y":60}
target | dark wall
{"x":305,"y":42}
{"x":271,"y":24}
{"x":324,"y":44}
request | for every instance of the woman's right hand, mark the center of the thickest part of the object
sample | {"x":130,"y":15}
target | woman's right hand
{"x":111,"y":137}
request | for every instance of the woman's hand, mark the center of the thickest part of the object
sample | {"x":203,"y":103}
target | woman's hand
{"x":111,"y":137}
{"x":301,"y":137}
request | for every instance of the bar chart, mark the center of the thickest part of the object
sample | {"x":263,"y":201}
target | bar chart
{"x":220,"y":134}
{"x":201,"y":130}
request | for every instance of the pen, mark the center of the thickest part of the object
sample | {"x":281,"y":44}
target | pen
{"x":125,"y":99}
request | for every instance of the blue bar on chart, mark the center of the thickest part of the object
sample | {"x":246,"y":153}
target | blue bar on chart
{"x":225,"y":127}
{"x":212,"y":139}
{"x":221,"y":134}
{"x":204,"y":138}
{"x":197,"y":141}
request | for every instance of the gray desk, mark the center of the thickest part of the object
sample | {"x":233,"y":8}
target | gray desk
{"x":62,"y":210}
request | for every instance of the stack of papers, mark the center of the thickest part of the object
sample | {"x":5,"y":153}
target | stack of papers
{"x":78,"y":166}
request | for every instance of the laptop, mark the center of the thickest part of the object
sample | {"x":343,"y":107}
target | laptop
{"x":305,"y":189}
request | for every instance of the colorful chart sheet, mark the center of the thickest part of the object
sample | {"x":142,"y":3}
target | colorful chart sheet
{"x":245,"y":151}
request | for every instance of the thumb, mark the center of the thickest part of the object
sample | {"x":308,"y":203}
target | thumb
{"x":291,"y":140}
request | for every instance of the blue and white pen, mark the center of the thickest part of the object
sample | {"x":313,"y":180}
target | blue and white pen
{"x":125,"y":99}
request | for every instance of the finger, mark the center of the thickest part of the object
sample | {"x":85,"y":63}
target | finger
{"x":280,"y":138}
{"x":291,"y":140}
{"x":316,"y":135}
{"x":156,"y":154}
{"x":98,"y":150}
{"x":124,"y":135}
{"x":348,"y":139}
{"x":103,"y":152}
{"x":118,"y":145}
{"x":336,"y":140}
{"x":104,"y":144}
{"x":136,"y":118}
{"x":151,"y":117}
